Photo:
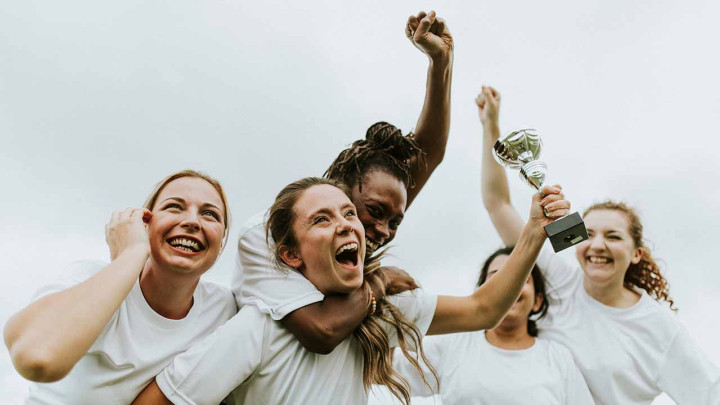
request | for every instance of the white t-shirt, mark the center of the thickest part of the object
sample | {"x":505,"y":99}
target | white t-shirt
{"x":257,"y":280}
{"x":261,"y":362}
{"x":472,"y":371}
{"x":627,"y":355}
{"x":135,"y":345}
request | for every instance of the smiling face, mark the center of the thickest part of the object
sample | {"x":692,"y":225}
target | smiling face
{"x":609,"y":250}
{"x":380,"y":206}
{"x":187,"y":227}
{"x":330,"y":240}
{"x":528,"y":302}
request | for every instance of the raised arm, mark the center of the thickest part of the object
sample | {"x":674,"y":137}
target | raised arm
{"x":495,"y":191}
{"x":487,"y":306}
{"x":430,"y":34}
{"x":42,"y":346}
{"x":321,"y":326}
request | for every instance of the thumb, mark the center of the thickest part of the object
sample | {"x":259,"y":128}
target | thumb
{"x":424,"y":26}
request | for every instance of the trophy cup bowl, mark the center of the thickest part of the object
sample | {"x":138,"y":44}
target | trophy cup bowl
{"x":521,"y":151}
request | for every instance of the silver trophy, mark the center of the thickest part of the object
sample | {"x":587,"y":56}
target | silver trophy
{"x":521,"y":150}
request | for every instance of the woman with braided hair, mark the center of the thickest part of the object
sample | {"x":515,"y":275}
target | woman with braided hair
{"x":385,"y":172}
{"x":605,"y":309}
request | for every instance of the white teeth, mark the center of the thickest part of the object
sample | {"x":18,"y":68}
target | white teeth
{"x":350,"y":246}
{"x":595,"y":259}
{"x":372,"y":245}
{"x":188,"y":244}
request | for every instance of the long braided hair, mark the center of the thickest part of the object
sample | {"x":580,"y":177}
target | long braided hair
{"x":384,"y":148}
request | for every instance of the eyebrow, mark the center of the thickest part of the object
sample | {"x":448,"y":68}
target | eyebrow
{"x":385,"y":207}
{"x":328,"y":211}
{"x":207,"y":204}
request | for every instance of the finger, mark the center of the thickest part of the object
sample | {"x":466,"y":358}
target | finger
{"x":424,"y":26}
{"x":550,"y":198}
{"x":436,"y":27}
{"x":480,"y":100}
{"x":420,"y":15}
{"x":411,"y":26}
{"x":413,"y":285}
{"x":550,"y":190}
{"x":440,"y":23}
{"x":558,"y":205}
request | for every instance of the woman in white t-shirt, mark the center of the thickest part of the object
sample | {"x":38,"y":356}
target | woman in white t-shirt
{"x":317,"y":233}
{"x":605,"y":307}
{"x":504,"y":365}
{"x":101,"y":333}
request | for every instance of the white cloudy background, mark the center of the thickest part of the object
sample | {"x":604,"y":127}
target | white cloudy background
{"x":100,"y":100}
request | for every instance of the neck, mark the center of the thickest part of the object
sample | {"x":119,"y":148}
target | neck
{"x":613,"y":294}
{"x":510,"y":336}
{"x":168,"y":294}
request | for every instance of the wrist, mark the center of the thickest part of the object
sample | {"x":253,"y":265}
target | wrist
{"x":441,"y":63}
{"x":135,"y":252}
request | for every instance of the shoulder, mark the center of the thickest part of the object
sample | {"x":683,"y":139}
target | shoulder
{"x":217,"y":296}
{"x":253,"y":226}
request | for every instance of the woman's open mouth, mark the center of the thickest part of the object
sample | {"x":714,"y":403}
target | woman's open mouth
{"x":347,"y":255}
{"x":186,"y":244}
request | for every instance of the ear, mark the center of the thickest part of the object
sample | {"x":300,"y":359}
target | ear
{"x":539,"y":298}
{"x":637,"y":256}
{"x":290,"y":257}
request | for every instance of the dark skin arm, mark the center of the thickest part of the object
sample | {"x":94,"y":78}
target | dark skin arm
{"x":321,"y":326}
{"x":430,"y":34}
{"x":151,"y":395}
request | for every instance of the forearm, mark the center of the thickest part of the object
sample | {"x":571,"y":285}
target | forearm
{"x":487,"y":306}
{"x":500,"y":292}
{"x":433,"y":126}
{"x":495,"y":190}
{"x":321,"y":326}
{"x":48,"y":337}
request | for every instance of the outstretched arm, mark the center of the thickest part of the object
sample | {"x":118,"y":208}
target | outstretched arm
{"x":495,"y":191}
{"x":42,"y":346}
{"x":321,"y":326}
{"x":487,"y":306}
{"x":430,"y":34}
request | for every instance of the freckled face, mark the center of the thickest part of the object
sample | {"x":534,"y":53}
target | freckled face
{"x":380,"y":207}
{"x":187,"y":227}
{"x":609,"y":250}
{"x":526,"y":303}
{"x":330,"y":240}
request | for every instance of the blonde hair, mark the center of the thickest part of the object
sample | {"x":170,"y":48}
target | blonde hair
{"x":646,"y":273}
{"x":373,"y":339}
{"x":152,"y":198}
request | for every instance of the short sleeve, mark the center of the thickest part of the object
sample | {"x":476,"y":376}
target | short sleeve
{"x":210,"y":370}
{"x":433,"y":348}
{"x":417,"y":307}
{"x":259,"y":281}
{"x":687,"y":375}
{"x":560,"y":276}
{"x":72,"y":275}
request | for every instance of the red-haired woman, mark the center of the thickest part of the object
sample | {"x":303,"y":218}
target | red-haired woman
{"x":605,"y":307}
{"x":101,"y":334}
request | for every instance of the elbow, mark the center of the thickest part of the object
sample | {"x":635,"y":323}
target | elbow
{"x":37,"y":364}
{"x":322,"y":340}
{"x":488,"y":317}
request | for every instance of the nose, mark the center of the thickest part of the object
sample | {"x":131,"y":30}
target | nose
{"x":190,"y":221}
{"x":344,"y":226}
{"x":597,"y":243}
{"x":382,"y":229}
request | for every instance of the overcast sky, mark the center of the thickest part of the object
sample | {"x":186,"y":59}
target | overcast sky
{"x":100,"y":100}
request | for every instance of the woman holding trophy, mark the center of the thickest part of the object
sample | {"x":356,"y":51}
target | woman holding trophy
{"x":605,"y":308}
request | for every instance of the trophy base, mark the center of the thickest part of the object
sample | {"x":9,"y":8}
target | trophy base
{"x":566,"y":231}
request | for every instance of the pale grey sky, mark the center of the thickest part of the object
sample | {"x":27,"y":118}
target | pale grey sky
{"x":98,"y":101}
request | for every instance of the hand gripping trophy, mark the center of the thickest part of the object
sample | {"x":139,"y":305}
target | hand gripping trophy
{"x":520,"y":150}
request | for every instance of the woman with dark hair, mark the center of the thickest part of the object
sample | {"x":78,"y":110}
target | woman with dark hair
{"x":317,"y":234}
{"x":605,"y":308}
{"x":385,"y":171}
{"x":103,"y":331}
{"x":504,"y":365}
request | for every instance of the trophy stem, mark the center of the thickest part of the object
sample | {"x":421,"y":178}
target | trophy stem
{"x":533,"y":173}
